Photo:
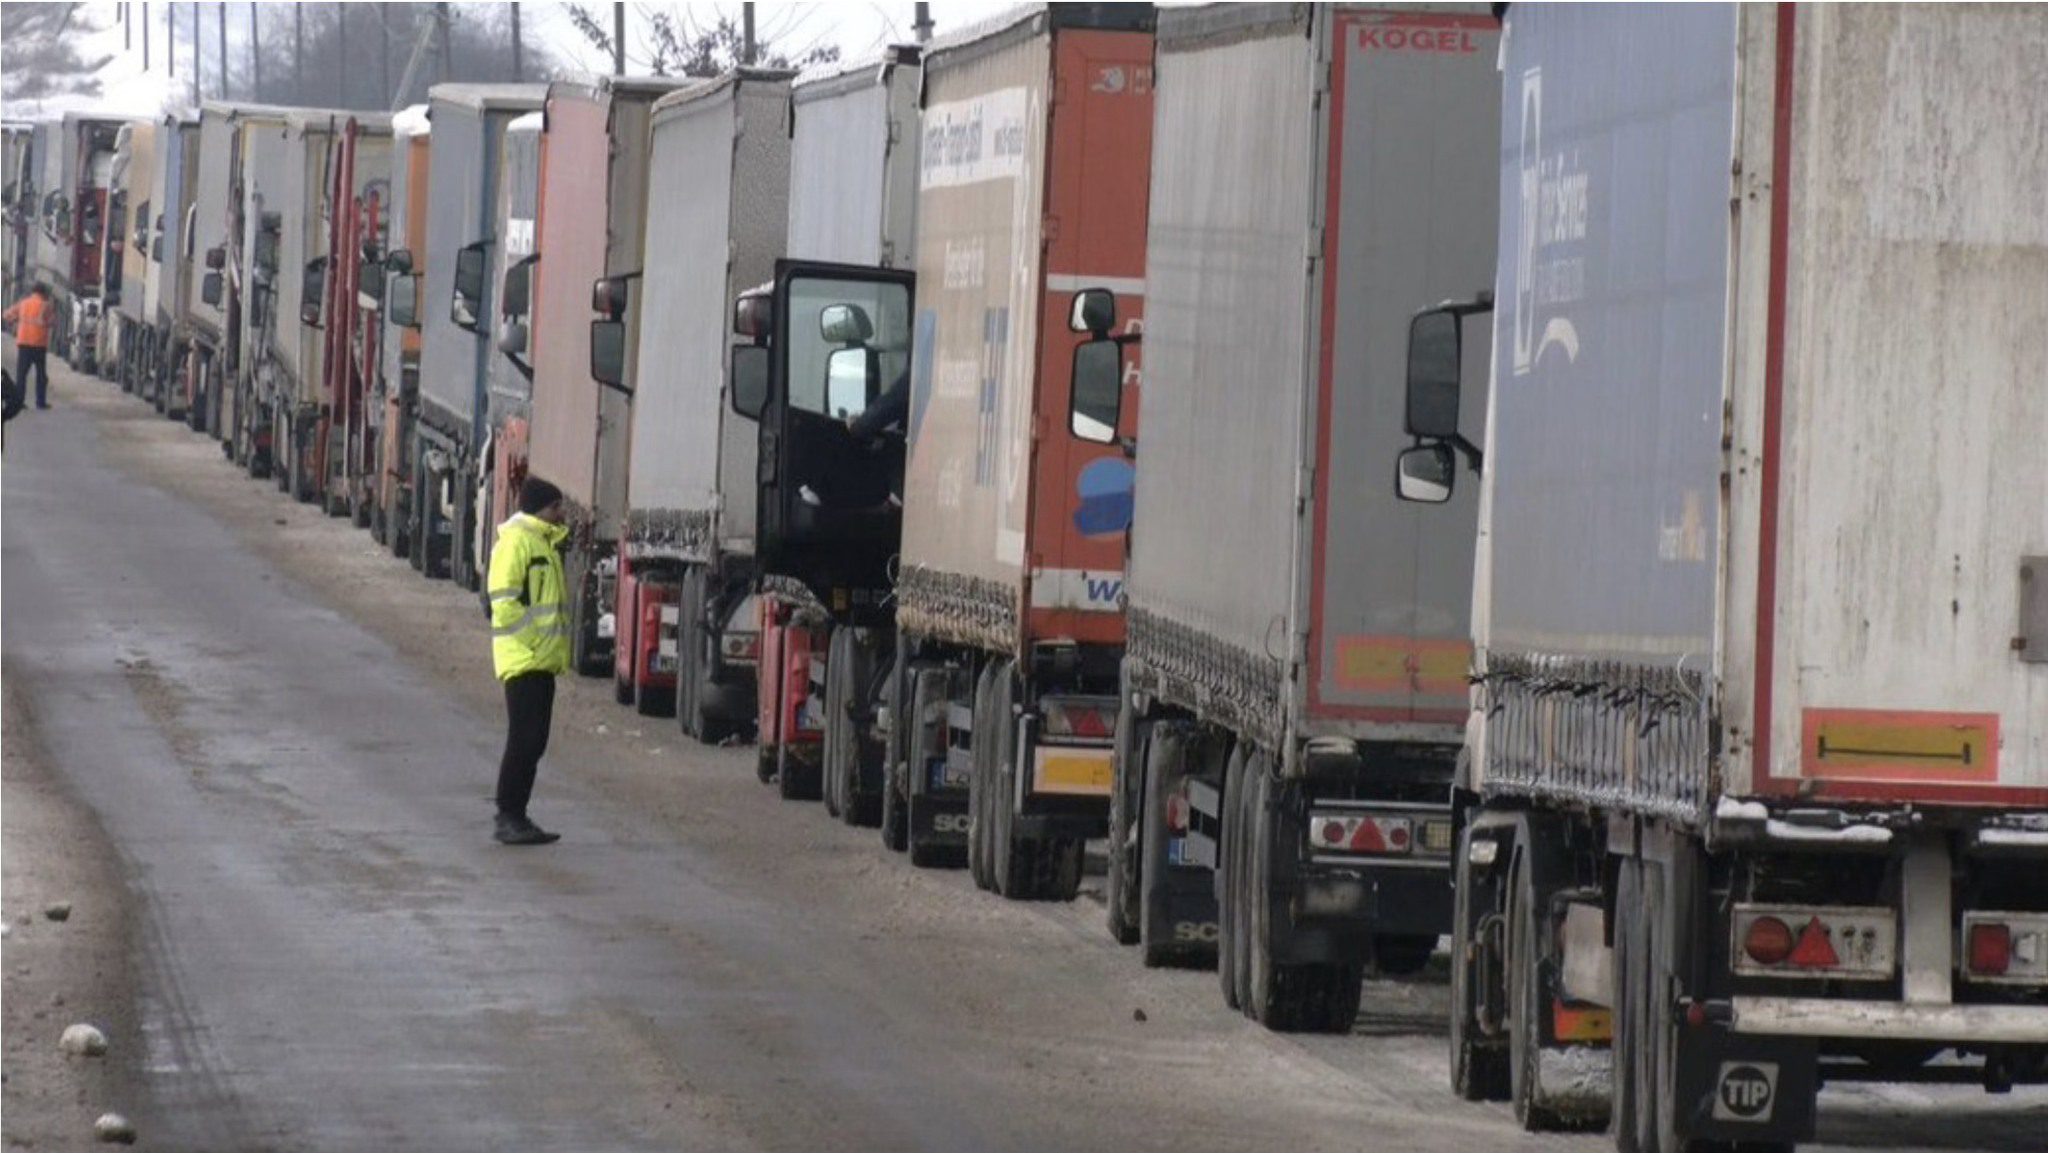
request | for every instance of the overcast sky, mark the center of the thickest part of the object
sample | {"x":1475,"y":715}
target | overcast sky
{"x":858,"y":27}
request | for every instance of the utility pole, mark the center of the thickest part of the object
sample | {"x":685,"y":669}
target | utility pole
{"x":922,"y":25}
{"x":298,"y":55}
{"x":255,"y":58}
{"x":747,"y":33}
{"x":145,"y":37}
{"x":384,"y":54}
{"x":618,"y":39}
{"x":518,"y":64}
{"x":128,"y":30}
{"x":341,"y":55}
{"x":220,"y":10}
{"x":447,"y":41}
{"x":198,"y":55}
{"x":171,"y":38}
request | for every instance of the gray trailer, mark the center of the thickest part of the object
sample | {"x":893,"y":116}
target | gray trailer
{"x":1759,"y":734}
{"x":394,"y":394}
{"x":1294,"y":685}
{"x":717,"y":187}
{"x":19,"y":177}
{"x":596,"y":146}
{"x":124,"y":344}
{"x":455,"y":308}
{"x":826,"y":626}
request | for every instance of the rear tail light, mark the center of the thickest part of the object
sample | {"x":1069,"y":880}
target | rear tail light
{"x":1361,"y":833}
{"x":1083,"y":720}
{"x":1790,"y":941}
{"x":1176,"y":814}
{"x":1768,"y":942}
{"x":1438,"y":838}
{"x":1990,"y":949}
{"x":740,"y":646}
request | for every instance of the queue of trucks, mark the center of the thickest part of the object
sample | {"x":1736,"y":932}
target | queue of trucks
{"x":1584,"y":500}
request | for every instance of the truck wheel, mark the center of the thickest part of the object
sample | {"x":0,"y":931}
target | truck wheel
{"x":689,"y":603}
{"x":622,"y":690}
{"x":980,"y":834}
{"x":1025,"y":870}
{"x":1121,"y":889}
{"x":895,"y":822}
{"x":1528,"y":1000}
{"x":1479,"y":1072}
{"x":1631,"y":1129}
{"x":1231,"y":960}
{"x":1166,"y":763}
{"x":650,"y":703}
{"x":764,"y":763}
{"x":1286,"y":997}
{"x":800,"y":779}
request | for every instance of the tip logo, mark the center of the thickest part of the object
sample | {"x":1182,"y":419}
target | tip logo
{"x":1111,"y":80}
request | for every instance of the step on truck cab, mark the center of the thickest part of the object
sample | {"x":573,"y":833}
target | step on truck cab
{"x":395,"y":393}
{"x":717,"y":189}
{"x":1293,"y":691}
{"x":455,"y":313}
{"x":1035,"y":160}
{"x":827,"y":630}
{"x":515,"y":263}
{"x":1759,"y":738}
{"x":593,"y":217}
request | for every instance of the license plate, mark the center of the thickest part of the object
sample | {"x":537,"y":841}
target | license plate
{"x":663,"y":664}
{"x":944,"y":776}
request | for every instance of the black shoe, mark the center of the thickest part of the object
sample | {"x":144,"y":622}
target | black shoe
{"x":520,"y":831}
{"x":42,"y":406}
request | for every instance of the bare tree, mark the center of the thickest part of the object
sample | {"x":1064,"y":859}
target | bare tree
{"x":39,"y":51}
{"x":672,"y":49}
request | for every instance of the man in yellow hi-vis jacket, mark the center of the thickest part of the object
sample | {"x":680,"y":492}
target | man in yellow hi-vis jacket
{"x":529,"y":645}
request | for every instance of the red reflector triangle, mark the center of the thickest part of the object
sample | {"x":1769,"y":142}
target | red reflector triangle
{"x":1814,"y":950}
{"x":1367,"y":839}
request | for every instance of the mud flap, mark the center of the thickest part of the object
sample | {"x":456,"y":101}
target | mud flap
{"x":1746,"y":1089}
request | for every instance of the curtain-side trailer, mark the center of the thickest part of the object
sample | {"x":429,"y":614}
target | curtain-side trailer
{"x":1759,"y":735}
{"x":395,"y":395}
{"x":509,"y":381}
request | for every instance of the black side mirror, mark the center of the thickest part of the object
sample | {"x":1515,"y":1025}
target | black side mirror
{"x":1094,"y":312}
{"x":312,"y":292}
{"x":216,"y":258}
{"x":753,"y":316}
{"x":749,"y":380}
{"x":1434,"y":363}
{"x":370,"y":281}
{"x":512,"y":337}
{"x":400,"y":261}
{"x":209,"y":289}
{"x":608,"y":353}
{"x":1426,"y":473}
{"x":516,"y":299}
{"x":1096,"y":400}
{"x":608,"y":297}
{"x":405,"y":301}
{"x":466,"y":307}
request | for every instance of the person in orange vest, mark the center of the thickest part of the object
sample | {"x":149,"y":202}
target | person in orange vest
{"x":31,"y":319}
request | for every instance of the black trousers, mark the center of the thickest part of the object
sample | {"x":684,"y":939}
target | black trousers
{"x":529,"y":713}
{"x":26,"y":358}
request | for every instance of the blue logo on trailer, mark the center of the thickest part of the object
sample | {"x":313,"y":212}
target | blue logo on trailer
{"x":1104,"y":487}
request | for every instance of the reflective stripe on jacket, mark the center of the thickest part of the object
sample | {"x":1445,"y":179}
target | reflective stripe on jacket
{"x":31,"y":315}
{"x":529,"y":599}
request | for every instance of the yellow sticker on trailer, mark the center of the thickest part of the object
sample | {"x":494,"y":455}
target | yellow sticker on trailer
{"x":1074,"y":772}
{"x":1900,"y":745}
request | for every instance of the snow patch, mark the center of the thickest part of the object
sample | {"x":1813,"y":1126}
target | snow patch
{"x":1730,"y":809}
{"x":2014,"y":838}
{"x":1577,"y":1082}
{"x":1812,"y":835}
{"x":412,"y":121}
{"x":531,"y":122}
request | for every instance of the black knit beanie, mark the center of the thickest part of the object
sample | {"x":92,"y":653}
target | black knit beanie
{"x":536,"y":494}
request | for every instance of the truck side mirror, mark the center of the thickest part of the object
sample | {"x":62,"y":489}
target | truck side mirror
{"x":216,"y":258}
{"x":512,"y":338}
{"x":515,"y":300}
{"x":1426,"y":473}
{"x":749,"y":380}
{"x":753,"y":316}
{"x":845,"y":324}
{"x":608,"y":297}
{"x":311,"y":291}
{"x":466,"y":306}
{"x":370,"y":281}
{"x":405,"y":301}
{"x":400,"y":261}
{"x":209,"y":289}
{"x":1433,"y":374}
{"x":1094,"y":312}
{"x":608,"y":353}
{"x":1097,"y":398}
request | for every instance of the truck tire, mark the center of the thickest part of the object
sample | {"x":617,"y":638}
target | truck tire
{"x":895,"y":823}
{"x":980,"y":831}
{"x":926,"y":852}
{"x":764,"y":763}
{"x":1286,"y":997}
{"x":1121,"y":887}
{"x":1479,"y":1072}
{"x":799,"y":779}
{"x":1232,"y":961}
{"x":1631,"y":1121}
{"x":1166,"y":763}
{"x":1024,"y":869}
{"x":1527,"y":1002}
{"x":622,"y":690}
{"x":845,"y":669}
{"x":831,"y":762}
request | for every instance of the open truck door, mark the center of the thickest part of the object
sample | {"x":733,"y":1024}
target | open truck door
{"x":828,"y":377}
